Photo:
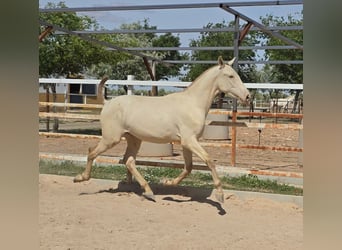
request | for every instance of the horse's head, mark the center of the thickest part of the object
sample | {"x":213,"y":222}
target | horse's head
{"x":229,"y":82}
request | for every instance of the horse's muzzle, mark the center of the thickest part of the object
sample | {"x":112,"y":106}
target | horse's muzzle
{"x":247,"y":99}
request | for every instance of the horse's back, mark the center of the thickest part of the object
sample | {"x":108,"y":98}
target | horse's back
{"x":148,"y":118}
{"x":146,"y":104}
{"x":156,"y":119}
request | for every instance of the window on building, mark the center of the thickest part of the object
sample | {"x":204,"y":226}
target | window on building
{"x":89,"y":89}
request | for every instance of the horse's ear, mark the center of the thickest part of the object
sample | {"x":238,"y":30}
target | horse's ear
{"x":220,"y":62}
{"x":230,"y":63}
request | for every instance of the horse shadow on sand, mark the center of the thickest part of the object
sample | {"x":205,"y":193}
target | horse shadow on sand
{"x":170,"y":193}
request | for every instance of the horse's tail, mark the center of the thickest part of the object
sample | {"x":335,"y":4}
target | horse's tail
{"x":100,"y":89}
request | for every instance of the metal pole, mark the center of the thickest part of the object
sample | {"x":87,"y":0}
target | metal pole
{"x":172,"y":6}
{"x":235,"y":66}
{"x":183,"y":30}
{"x":154,"y":88}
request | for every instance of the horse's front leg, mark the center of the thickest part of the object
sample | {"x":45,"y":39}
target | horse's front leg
{"x":193,"y":145}
{"x":187,"y":154}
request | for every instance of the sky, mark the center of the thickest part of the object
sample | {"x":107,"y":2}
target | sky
{"x":173,"y":18}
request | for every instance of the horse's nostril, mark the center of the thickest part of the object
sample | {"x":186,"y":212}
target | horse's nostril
{"x":247,"y":97}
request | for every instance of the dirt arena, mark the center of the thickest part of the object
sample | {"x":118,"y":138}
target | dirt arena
{"x":102,"y":214}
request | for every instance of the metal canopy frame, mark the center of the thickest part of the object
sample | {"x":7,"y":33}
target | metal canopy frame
{"x":95,"y":41}
{"x":261,"y":26}
{"x":173,"y":6}
{"x":185,"y":30}
{"x":273,"y":31}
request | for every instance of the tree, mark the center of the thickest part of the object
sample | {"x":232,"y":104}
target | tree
{"x":211,"y":39}
{"x":288,"y":73}
{"x":66,"y":55}
{"x":133,"y":65}
{"x":130,"y":64}
{"x":60,"y":55}
{"x":168,"y":40}
{"x":292,"y":73}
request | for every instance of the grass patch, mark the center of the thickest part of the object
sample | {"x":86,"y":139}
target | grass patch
{"x":69,"y":168}
{"x":156,"y":174}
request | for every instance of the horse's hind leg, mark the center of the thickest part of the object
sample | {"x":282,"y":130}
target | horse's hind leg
{"x":101,"y":147}
{"x":133,"y":145}
{"x":187,"y":154}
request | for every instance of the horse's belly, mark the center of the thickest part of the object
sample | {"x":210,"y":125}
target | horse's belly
{"x":153,"y":131}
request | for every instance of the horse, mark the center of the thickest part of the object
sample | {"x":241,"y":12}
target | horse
{"x":176,"y":117}
{"x":282,"y":104}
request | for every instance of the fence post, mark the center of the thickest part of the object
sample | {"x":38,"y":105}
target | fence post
{"x":233,"y":151}
{"x":300,"y":145}
{"x":130,"y":87}
{"x":235,"y":66}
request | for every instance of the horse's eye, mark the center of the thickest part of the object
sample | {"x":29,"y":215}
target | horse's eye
{"x":231,"y":76}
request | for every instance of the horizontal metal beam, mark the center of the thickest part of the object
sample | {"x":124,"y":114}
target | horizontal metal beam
{"x":209,"y":48}
{"x":171,"y":6}
{"x":184,"y":30}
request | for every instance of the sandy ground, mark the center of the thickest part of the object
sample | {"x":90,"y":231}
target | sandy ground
{"x":102,"y":214}
{"x":106,"y":215}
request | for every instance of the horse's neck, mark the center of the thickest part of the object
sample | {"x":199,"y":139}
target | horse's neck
{"x":203,"y":91}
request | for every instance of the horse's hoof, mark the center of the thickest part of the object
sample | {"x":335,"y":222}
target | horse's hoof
{"x":167,"y":182}
{"x":126,"y":182}
{"x":80,"y":178}
{"x":219,"y":196}
{"x":149,"y":196}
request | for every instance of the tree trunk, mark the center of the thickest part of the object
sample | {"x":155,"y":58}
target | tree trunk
{"x":295,"y":104}
{"x":54,"y":99}
{"x":47,"y":99}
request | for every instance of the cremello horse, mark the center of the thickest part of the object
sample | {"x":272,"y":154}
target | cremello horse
{"x":174,"y":117}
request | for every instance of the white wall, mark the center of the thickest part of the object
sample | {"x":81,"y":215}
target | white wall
{"x":61,"y":88}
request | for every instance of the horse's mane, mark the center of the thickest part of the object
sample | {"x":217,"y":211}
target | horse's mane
{"x":200,"y":76}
